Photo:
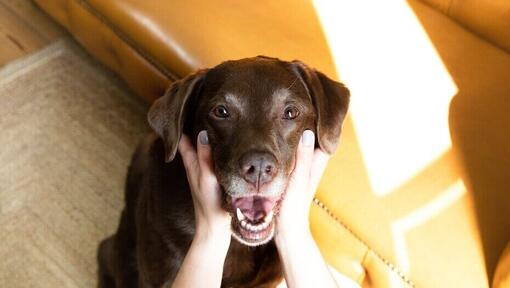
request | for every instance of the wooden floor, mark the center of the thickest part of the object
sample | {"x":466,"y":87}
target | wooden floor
{"x":24,"y":29}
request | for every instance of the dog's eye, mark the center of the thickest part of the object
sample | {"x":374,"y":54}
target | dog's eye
{"x":221,"y":112}
{"x":290,"y":113}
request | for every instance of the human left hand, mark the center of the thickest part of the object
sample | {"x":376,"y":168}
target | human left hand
{"x":304,"y":180}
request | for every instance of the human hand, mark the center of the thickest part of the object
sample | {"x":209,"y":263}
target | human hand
{"x":211,"y":219}
{"x":304,"y":179}
{"x":212,"y":235}
{"x":292,"y":236}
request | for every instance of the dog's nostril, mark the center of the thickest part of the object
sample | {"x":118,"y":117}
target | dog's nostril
{"x":267,"y":173}
{"x":258,"y":168}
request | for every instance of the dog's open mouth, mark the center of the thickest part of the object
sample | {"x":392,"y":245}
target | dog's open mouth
{"x":253,"y":219}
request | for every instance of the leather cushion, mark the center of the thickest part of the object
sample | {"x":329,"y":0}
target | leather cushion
{"x":488,"y":18}
{"x":185,"y":35}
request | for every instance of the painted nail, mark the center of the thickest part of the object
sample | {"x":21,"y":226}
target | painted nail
{"x":204,"y":139}
{"x":308,"y":138}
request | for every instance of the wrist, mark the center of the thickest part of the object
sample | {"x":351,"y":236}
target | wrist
{"x":213,"y":233}
{"x":292,"y":234}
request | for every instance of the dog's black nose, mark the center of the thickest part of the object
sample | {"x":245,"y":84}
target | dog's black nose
{"x":258,"y":168}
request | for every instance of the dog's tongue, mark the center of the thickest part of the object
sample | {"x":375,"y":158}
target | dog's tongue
{"x":255,"y":207}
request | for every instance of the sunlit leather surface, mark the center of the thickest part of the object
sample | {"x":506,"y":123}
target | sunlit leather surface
{"x":389,"y":219}
{"x":180,"y":36}
{"x":488,"y":18}
{"x":502,"y":275}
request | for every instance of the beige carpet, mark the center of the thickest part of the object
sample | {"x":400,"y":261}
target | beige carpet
{"x":67,"y":131}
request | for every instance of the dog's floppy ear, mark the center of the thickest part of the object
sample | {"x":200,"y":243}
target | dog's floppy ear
{"x":168,"y":113}
{"x":331,"y":101}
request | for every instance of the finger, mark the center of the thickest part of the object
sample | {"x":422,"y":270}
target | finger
{"x":188,"y":154}
{"x":319,"y":164}
{"x":304,"y":156}
{"x":205,"y":157}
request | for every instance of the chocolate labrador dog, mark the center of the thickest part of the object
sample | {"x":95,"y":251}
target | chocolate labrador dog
{"x":254,"y":111}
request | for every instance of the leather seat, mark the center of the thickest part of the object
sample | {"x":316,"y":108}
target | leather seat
{"x":502,"y":275}
{"x":177,"y":37}
{"x":443,"y":225}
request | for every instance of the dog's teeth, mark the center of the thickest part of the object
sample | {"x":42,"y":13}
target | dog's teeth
{"x":269,"y":217}
{"x":240,"y":215}
{"x":255,"y":228}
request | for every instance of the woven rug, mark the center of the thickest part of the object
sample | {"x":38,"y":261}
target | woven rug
{"x":68,"y":128}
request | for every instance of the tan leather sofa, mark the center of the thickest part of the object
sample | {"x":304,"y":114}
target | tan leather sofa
{"x":418,"y":193}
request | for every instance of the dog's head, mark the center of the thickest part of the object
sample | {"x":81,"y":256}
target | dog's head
{"x":254,"y":111}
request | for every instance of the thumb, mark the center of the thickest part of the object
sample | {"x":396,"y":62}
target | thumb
{"x":304,"y":158}
{"x":319,"y":164}
{"x":205,"y":158}
{"x":188,"y":153}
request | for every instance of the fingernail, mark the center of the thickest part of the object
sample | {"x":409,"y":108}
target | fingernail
{"x":308,"y":138}
{"x":202,"y":137}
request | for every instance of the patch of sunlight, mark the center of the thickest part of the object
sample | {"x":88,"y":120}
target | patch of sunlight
{"x":400,"y":88}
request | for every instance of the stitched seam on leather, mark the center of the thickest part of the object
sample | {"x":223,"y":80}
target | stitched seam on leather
{"x":126,"y":39}
{"x":392,"y":267}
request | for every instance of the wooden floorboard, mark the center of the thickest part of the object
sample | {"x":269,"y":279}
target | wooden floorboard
{"x":24,"y":29}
